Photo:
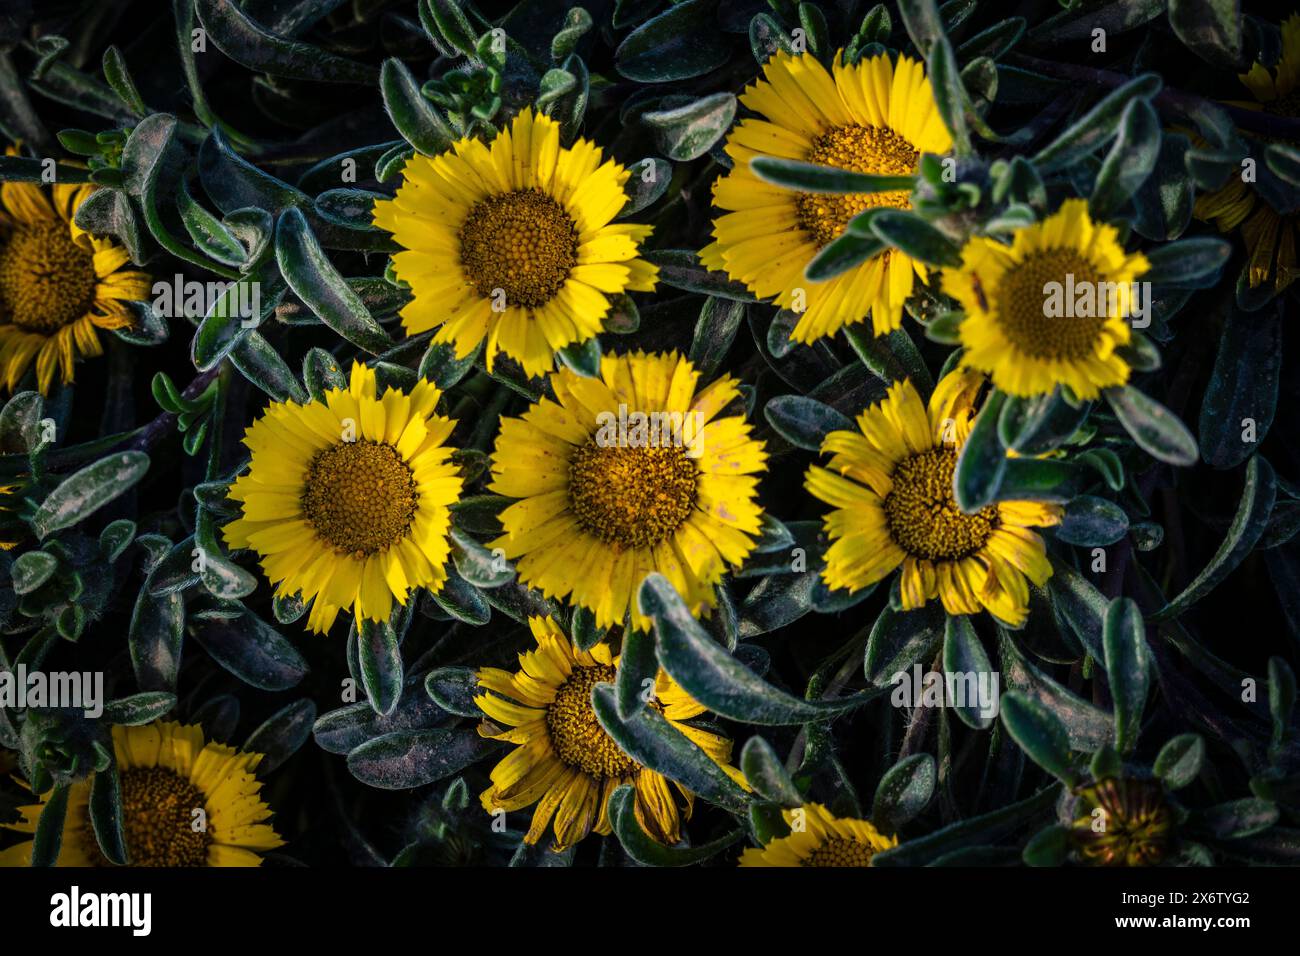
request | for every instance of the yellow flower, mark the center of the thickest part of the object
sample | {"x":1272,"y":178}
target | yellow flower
{"x":818,"y":838}
{"x":602,"y":507}
{"x":514,"y":243}
{"x":347,"y":500}
{"x":564,"y":761}
{"x":167,"y":773}
{"x":58,"y":283}
{"x":1270,"y":237}
{"x":891,"y":486}
{"x":1050,"y":308}
{"x":1122,"y":822}
{"x":875,"y":117}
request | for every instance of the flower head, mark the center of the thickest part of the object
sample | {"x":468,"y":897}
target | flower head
{"x":818,"y":838}
{"x":348,"y":499}
{"x":58,"y":283}
{"x":514,"y":243}
{"x":627,"y":474}
{"x":1271,"y":237}
{"x":1049,"y":309}
{"x":564,"y":760}
{"x":1122,"y":822}
{"x":876,"y":116}
{"x":891,"y":483}
{"x":170,"y":777}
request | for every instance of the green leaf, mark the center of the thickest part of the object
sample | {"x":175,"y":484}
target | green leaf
{"x":637,"y":669}
{"x":249,"y":45}
{"x":648,"y":851}
{"x":982,"y":460}
{"x":964,"y":655}
{"x":32,"y":569}
{"x":975,"y":831}
{"x":21,"y":169}
{"x":477,"y":565}
{"x":923,"y":23}
{"x":414,"y":758}
{"x":652,"y":741}
{"x":154,"y":639}
{"x":845,"y":252}
{"x":454,"y":689}
{"x":321,"y":373}
{"x":650,"y":179}
{"x":1096,"y":126}
{"x":716,"y":329}
{"x":688,"y":132}
{"x":1241,"y":397}
{"x":1247,"y":527}
{"x":1128,"y":668}
{"x":139,"y":709}
{"x":903,"y":793}
{"x":679,"y":44}
{"x":380,"y":657}
{"x":252,"y":650}
{"x":105,"y":810}
{"x":765,"y":772}
{"x":814,"y":178}
{"x":582,"y":357}
{"x":1239,"y":818}
{"x":281,"y":735}
{"x":714,"y":678}
{"x":314,"y":279}
{"x":1092,"y":522}
{"x":454,"y":26}
{"x":119,"y":78}
{"x":949,"y":94}
{"x":1211,"y":29}
{"x":1087,"y":727}
{"x":1155,"y":428}
{"x":1281,"y":698}
{"x":88,"y":490}
{"x":47,"y":841}
{"x":1040,"y":735}
{"x":1189,"y":261}
{"x":900,"y":639}
{"x":259,"y":362}
{"x":916,"y":237}
{"x":416,"y":119}
{"x":681,"y":269}
{"x":1179,"y":761}
{"x":1048,"y":847}
{"x":1130,"y":160}
{"x":804,"y":422}
{"x":1283,"y":161}
{"x":1041,"y":423}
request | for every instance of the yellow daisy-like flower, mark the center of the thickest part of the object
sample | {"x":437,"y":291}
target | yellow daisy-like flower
{"x":348,"y":500}
{"x":1271,"y":238}
{"x":58,"y":283}
{"x":819,"y":838}
{"x":514,"y":243}
{"x":167,"y":773}
{"x":891,"y":484}
{"x":605,"y":505}
{"x":564,"y":761}
{"x":1050,"y":308}
{"x":876,"y":116}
